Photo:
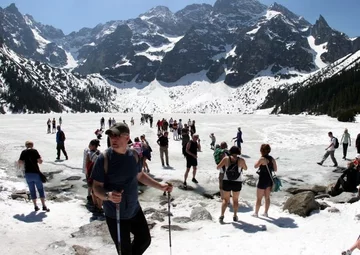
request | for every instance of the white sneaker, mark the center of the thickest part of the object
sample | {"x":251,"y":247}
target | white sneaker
{"x":265,"y":215}
{"x":255,"y":215}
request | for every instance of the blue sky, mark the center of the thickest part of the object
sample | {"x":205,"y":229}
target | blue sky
{"x":72,"y":15}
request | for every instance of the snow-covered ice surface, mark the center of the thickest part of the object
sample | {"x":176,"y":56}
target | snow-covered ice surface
{"x":297,"y":142}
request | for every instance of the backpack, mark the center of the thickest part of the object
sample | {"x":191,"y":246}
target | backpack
{"x":217,"y":155}
{"x":62,"y":136}
{"x":336,"y":145}
{"x":232,"y":172}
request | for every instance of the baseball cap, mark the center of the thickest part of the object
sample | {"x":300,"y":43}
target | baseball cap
{"x":95,"y":142}
{"x":118,"y":129}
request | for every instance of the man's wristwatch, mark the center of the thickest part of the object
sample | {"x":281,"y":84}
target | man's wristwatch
{"x":107,"y":196}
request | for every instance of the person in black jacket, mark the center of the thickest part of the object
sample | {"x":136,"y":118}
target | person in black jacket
{"x":349,"y":180}
{"x":357,"y":143}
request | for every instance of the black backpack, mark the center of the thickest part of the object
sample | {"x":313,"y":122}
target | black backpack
{"x":336,"y":145}
{"x":232,"y":172}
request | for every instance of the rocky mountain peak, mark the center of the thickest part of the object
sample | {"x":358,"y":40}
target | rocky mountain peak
{"x":234,"y":6}
{"x":12,"y":8}
{"x":321,"y":31}
{"x":160,"y":12}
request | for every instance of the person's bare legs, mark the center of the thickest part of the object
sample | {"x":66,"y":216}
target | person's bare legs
{"x":267,"y":200}
{"x":355,"y":246}
{"x":186,"y":174}
{"x":259,"y":195}
{"x":194,"y":171}
{"x":235,"y":199}
{"x":225,"y":202}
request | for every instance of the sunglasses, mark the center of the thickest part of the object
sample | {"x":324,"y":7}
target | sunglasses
{"x":116,"y":136}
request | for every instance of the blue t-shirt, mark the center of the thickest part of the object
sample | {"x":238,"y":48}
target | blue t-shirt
{"x":121,"y":175}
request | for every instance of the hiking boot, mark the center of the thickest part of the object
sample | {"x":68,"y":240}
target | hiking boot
{"x":235,"y":218}
{"x":36,"y":208}
{"x":335,"y":165}
{"x":57,"y":158}
{"x":194,"y":180}
{"x":348,"y":252}
{"x":319,"y":163}
{"x":45,"y":209}
{"x":67,"y":158}
{"x":221,"y":219}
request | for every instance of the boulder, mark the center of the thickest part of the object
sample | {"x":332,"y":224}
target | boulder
{"x":250,"y":180}
{"x":181,"y":219}
{"x":322,"y":196}
{"x":59,"y":188}
{"x":72,"y":178}
{"x":80,"y":250}
{"x":315,"y":189}
{"x":200,"y":213}
{"x":357,"y":217}
{"x":158,"y":216}
{"x":333,"y":210}
{"x":173,"y":227}
{"x":345,"y":197}
{"x":21,"y":194}
{"x":302,"y":204}
{"x":149,"y":210}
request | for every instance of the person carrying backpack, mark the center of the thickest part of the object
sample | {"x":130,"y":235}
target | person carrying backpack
{"x":120,"y":192}
{"x":219,"y":153}
{"x":60,"y":143}
{"x":330,"y":150}
{"x":91,"y":158}
{"x":232,"y":180}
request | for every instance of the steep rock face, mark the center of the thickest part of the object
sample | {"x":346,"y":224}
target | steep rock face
{"x":28,"y":86}
{"x":234,"y":13}
{"x":28,"y":38}
{"x":338,"y":44}
{"x":112,"y":50}
{"x":275,"y":45}
{"x":192,"y":53}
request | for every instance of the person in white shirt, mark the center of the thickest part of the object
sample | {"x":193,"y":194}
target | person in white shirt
{"x":345,"y":141}
{"x":330,"y":151}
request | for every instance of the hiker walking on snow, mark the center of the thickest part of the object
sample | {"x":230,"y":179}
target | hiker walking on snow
{"x":191,"y":158}
{"x":109,"y":122}
{"x":330,"y":151}
{"x":238,"y":138}
{"x":163,"y":142}
{"x":213,"y":141}
{"x":60,"y":121}
{"x":232,"y":180}
{"x":345,"y":141}
{"x":120,"y":192}
{"x":30,"y":158}
{"x":60,"y":143}
{"x":102,"y":122}
{"x":175,"y":130}
{"x":219,"y":153}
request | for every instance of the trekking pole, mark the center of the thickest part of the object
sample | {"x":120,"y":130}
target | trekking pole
{"x":169,"y":200}
{"x":118,"y":227}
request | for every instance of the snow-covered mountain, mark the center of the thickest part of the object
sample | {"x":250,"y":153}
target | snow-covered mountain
{"x":32,"y":86}
{"x":233,"y":52}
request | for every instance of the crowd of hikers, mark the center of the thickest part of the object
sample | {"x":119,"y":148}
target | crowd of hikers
{"x":114,"y":194}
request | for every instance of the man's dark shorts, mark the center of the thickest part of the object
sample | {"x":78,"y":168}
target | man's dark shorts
{"x":190,"y":161}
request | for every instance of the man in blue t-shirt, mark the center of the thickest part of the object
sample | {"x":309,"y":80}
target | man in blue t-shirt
{"x":117,"y":183}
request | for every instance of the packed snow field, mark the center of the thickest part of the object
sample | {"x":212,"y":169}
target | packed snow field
{"x":297,"y":142}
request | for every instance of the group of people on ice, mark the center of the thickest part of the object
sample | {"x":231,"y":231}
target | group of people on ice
{"x":52,"y":123}
{"x":117,"y":197}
